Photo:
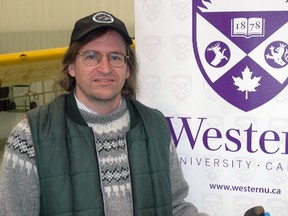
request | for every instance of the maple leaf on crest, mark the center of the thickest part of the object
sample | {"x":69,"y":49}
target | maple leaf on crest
{"x":246,"y":83}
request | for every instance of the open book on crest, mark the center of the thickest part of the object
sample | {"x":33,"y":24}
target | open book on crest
{"x":247,"y":27}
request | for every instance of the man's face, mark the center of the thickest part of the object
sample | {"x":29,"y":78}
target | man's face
{"x":101,"y":83}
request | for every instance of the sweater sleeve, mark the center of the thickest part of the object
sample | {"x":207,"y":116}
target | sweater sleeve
{"x":180,"y":188}
{"x":19,"y":185}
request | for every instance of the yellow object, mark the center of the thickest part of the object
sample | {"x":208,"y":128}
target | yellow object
{"x":32,"y":66}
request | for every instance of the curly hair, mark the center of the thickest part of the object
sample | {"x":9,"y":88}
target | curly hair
{"x":67,"y":82}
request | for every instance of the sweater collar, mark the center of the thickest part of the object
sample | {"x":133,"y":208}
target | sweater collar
{"x":73,"y":112}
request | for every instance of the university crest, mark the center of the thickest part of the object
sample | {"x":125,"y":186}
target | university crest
{"x":241,"y":48}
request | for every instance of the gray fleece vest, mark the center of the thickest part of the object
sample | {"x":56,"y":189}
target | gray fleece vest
{"x":68,"y":167}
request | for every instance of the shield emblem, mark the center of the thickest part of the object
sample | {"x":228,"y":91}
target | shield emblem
{"x":242,"y":54}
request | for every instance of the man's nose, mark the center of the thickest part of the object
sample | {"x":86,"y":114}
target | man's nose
{"x":104,"y":64}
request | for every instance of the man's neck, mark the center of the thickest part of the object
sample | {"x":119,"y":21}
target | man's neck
{"x":99,"y":108}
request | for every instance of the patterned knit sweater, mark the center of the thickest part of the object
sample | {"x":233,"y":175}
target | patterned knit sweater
{"x":19,"y":183}
{"x":110,"y":141}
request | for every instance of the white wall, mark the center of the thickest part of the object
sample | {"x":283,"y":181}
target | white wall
{"x":35,"y":19}
{"x":50,"y":15}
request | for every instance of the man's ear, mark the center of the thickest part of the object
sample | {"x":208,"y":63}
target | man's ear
{"x":71,"y":70}
{"x":127,"y":73}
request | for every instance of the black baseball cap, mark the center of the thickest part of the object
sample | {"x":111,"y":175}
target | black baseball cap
{"x":98,"y":20}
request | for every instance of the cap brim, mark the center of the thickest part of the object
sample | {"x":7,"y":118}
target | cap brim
{"x":125,"y":35}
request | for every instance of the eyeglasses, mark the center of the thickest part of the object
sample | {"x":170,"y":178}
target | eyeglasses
{"x":92,"y":58}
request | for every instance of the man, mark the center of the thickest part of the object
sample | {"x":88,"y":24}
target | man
{"x":96,"y":150}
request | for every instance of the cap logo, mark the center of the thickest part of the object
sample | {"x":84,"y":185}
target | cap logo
{"x":103,"y":17}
